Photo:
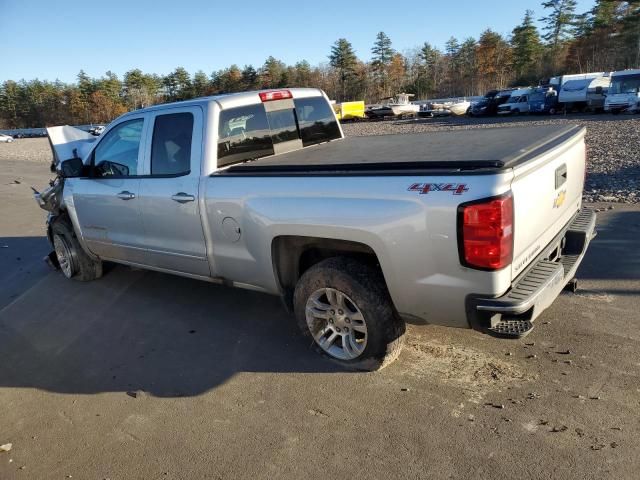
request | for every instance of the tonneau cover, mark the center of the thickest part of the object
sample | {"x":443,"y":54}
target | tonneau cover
{"x":482,"y":148}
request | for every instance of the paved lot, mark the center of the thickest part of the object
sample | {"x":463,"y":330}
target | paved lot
{"x":144,"y":375}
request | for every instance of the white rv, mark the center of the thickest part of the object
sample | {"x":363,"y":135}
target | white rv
{"x":582,"y":93}
{"x":624,"y":92}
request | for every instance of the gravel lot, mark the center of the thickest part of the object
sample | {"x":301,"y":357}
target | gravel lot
{"x":613,"y":142}
{"x":143,"y":375}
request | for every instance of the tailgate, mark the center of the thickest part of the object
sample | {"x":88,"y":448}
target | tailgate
{"x":547,"y":192}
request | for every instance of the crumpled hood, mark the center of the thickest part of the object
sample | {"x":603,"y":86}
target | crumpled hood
{"x":65,"y":139}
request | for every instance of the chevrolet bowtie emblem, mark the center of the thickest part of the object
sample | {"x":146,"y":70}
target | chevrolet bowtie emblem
{"x":557,"y":203}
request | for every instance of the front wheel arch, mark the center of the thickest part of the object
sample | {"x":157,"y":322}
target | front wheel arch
{"x":83,"y":267}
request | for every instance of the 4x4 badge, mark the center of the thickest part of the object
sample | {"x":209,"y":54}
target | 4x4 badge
{"x":424,"y":188}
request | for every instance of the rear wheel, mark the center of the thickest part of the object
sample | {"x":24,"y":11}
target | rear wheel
{"x":74,"y":262}
{"x":344,"y":307}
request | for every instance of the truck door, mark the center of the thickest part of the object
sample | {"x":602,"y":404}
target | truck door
{"x":107,"y":202}
{"x":169,"y":204}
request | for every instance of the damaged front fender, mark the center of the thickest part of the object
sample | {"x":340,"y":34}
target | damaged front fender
{"x":50,"y":199}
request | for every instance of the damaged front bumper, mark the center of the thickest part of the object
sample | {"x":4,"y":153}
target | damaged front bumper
{"x":512,"y":314}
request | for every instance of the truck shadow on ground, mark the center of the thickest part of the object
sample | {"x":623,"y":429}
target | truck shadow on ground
{"x":171,"y":337}
{"x":135,"y":330}
{"x":614,"y":254}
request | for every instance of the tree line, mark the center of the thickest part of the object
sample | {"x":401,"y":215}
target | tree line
{"x":605,"y":38}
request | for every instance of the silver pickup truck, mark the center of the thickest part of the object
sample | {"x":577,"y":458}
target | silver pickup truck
{"x":260,"y":190}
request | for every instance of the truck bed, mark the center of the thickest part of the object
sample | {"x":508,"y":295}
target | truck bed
{"x":479,"y":151}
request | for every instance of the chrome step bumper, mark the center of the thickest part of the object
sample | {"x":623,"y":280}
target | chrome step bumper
{"x":512,"y":314}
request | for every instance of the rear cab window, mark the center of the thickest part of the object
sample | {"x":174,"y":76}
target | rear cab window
{"x":171,"y":145}
{"x":316,"y":120}
{"x":251,"y":132}
{"x":243,"y":134}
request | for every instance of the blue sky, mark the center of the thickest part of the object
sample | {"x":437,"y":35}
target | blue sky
{"x":48,"y":40}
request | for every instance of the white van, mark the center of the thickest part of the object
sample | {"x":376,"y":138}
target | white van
{"x":624,"y":92}
{"x":518,"y":102}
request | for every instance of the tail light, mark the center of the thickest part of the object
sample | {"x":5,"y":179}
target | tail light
{"x":275,"y":95}
{"x":485,"y":233}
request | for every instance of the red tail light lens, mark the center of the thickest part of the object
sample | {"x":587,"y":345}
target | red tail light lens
{"x":275,"y":95}
{"x":486,"y":231}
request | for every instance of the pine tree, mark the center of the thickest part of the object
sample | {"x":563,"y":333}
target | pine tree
{"x":382,"y":55}
{"x":630,"y":35}
{"x":527,"y":49}
{"x":344,"y":60}
{"x":494,"y":60}
{"x":200,"y":84}
{"x":603,"y":14}
{"x":249,"y":78}
{"x":559,"y":21}
{"x":382,"y":51}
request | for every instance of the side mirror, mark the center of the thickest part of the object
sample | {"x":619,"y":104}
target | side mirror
{"x":598,"y":90}
{"x":72,"y":167}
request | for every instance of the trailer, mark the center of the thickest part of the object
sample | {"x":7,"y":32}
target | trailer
{"x":349,"y":110}
{"x":584,"y":93}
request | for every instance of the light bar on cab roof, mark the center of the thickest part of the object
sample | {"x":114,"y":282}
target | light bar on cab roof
{"x":275,"y":95}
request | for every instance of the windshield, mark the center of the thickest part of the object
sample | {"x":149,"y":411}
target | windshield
{"x":625,"y":84}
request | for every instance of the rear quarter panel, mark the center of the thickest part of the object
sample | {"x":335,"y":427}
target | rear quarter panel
{"x":414,"y":235}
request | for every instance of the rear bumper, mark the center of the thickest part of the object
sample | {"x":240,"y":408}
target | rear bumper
{"x":512,"y":314}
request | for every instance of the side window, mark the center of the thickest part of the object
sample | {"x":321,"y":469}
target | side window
{"x":117,"y":153}
{"x":171,"y":145}
{"x":316,"y":120}
{"x":243,"y":134}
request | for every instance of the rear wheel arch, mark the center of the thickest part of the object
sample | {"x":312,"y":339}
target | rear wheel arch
{"x":293,"y":255}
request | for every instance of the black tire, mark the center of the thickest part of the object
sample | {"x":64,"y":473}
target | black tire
{"x":81,"y":267}
{"x":365,"y":287}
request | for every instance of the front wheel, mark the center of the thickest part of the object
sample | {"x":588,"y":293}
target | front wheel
{"x":344,"y":307}
{"x":73,"y":261}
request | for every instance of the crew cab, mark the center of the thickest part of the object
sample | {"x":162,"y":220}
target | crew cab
{"x":261,"y":190}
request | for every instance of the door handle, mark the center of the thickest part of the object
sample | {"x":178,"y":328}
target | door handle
{"x":182,"y":197}
{"x":126,"y":195}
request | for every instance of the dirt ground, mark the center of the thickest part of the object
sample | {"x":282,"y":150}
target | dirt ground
{"x":142,"y":375}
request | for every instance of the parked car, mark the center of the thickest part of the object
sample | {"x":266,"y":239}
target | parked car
{"x":489,"y":104}
{"x":5,"y":138}
{"x":97,"y":130}
{"x":517,"y":103}
{"x":260,"y":190}
{"x":543,"y":100}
